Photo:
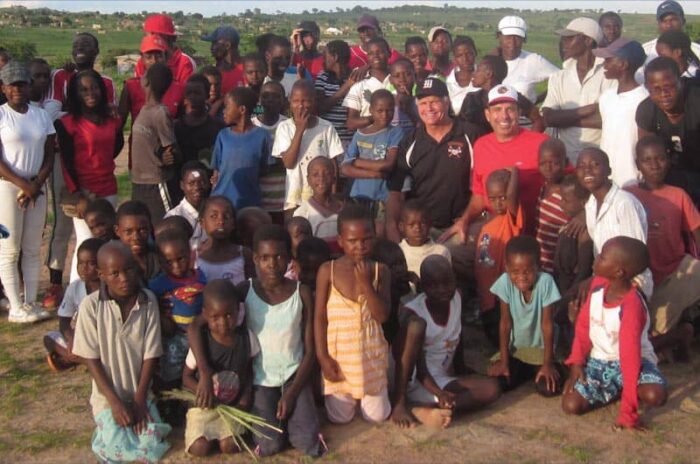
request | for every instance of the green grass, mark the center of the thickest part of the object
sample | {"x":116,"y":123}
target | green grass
{"x":579,"y":454}
{"x":124,"y":186}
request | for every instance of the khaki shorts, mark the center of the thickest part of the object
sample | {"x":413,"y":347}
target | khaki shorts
{"x":679,"y":291}
{"x":206,"y":423}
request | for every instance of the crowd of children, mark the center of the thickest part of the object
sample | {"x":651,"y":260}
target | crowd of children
{"x":267,"y":258}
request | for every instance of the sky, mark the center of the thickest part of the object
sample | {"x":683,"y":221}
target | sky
{"x":212,"y":8}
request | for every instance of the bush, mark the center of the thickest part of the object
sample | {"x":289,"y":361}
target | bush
{"x":20,"y":50}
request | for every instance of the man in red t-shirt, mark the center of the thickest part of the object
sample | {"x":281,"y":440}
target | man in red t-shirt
{"x":368,"y":28}
{"x":508,"y":145}
{"x":84,"y":52}
{"x":224,"y":48}
{"x":305,"y":45}
{"x":181,"y":64}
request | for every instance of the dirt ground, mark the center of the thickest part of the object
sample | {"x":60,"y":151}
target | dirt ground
{"x":45,"y":418}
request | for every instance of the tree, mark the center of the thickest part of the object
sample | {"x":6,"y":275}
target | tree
{"x":20,"y":50}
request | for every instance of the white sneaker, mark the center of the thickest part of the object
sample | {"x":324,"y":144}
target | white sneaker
{"x":24,"y":315}
{"x":37,"y":309}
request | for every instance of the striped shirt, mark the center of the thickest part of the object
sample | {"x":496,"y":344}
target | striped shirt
{"x":272,"y":183}
{"x":550,"y":220}
{"x":329,"y":85}
{"x":356,"y":342}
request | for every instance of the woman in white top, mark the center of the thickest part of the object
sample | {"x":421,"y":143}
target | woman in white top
{"x":27,"y":138}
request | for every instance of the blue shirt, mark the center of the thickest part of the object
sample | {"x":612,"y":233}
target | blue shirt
{"x":239,"y":157}
{"x":527,"y":317}
{"x":186,"y":295}
{"x":372,"y":147}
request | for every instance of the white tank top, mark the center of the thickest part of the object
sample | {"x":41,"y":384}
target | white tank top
{"x":440,"y":342}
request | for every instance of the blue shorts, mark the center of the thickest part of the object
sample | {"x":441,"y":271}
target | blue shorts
{"x":603,"y":383}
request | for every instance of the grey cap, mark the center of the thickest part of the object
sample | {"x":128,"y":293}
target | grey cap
{"x":14,"y":72}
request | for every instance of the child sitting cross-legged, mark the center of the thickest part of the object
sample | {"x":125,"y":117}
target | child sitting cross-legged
{"x":428,"y":389}
{"x":612,"y":356}
{"x":59,"y":343}
{"x":118,"y":337}
{"x":352,"y":301}
{"x":229,"y":350}
{"x":526,"y":331}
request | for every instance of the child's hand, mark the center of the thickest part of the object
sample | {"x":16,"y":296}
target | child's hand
{"x":363,"y":276}
{"x":205,"y":391}
{"x":500,"y":369}
{"x":121,"y":413}
{"x":286,"y":405}
{"x":575,"y":227}
{"x":331,"y":370}
{"x":169,"y":156}
{"x":638,"y":427}
{"x":575,"y":374}
{"x":301,"y":70}
{"x":214,"y":179}
{"x":446,"y":400}
{"x":301,"y":119}
{"x":550,"y":375}
{"x":141,"y":417}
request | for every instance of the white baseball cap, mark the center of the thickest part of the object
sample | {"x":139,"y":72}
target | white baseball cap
{"x":434,"y":31}
{"x":586,"y":26}
{"x":513,"y":25}
{"x":502,"y":94}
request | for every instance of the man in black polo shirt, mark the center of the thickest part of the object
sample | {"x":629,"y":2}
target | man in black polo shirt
{"x":434,"y":166}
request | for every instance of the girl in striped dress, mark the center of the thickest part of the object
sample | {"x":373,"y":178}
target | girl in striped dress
{"x":352,"y":302}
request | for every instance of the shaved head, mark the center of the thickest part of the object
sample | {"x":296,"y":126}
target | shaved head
{"x":631,"y":254}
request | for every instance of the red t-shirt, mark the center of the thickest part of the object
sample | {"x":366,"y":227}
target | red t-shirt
{"x":93,"y":156}
{"x":60,"y":78}
{"x":671,"y":215}
{"x":358,"y":57}
{"x":181,"y":64}
{"x":490,"y":260}
{"x":521,"y":152}
{"x":313,"y":65}
{"x":137,"y":97}
{"x":232,"y":78}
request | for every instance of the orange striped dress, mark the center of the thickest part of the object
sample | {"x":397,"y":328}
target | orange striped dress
{"x":356,"y":341}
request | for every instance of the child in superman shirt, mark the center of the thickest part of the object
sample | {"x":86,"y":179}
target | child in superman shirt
{"x":179,"y":290}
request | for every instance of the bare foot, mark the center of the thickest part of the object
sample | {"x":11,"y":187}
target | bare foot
{"x":433,"y":417}
{"x":401,"y":417}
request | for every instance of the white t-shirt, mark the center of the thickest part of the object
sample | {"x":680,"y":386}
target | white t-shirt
{"x":23,"y":137}
{"x":191,"y":215}
{"x":325,"y":227}
{"x":457,"y":92}
{"x":359,"y":95}
{"x":526,"y":71}
{"x":74,"y":295}
{"x":565,"y":92}
{"x":270,"y":129}
{"x":320,"y":140}
{"x":619,"y":133}
{"x":415,"y":255}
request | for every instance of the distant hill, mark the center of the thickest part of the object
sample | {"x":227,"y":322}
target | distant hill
{"x":50,"y":31}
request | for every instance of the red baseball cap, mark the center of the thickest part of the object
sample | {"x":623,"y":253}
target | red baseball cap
{"x":153,"y":43}
{"x":160,"y":24}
